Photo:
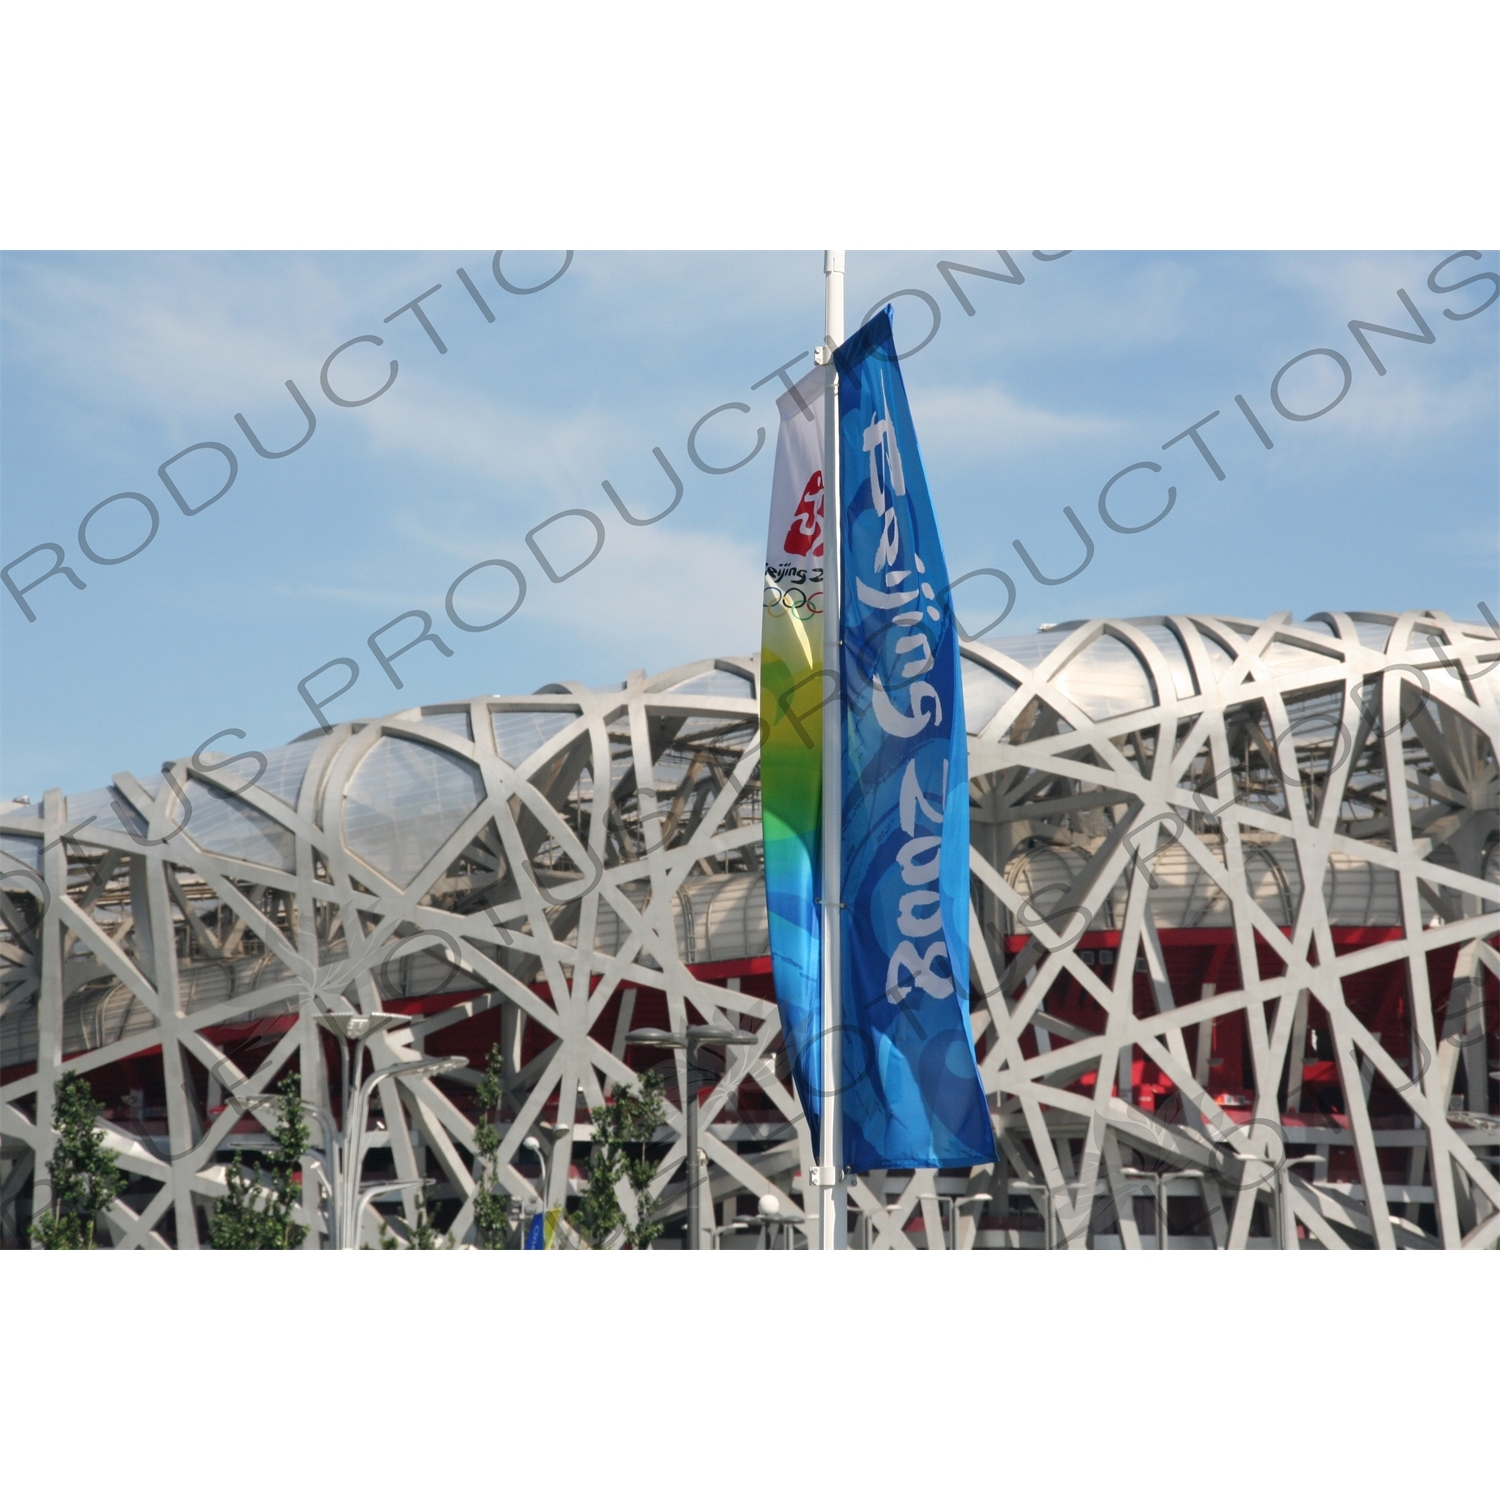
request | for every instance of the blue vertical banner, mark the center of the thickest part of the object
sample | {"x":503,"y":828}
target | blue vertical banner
{"x":911,"y":1091}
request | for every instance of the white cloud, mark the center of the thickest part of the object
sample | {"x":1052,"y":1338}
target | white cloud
{"x":985,"y":421}
{"x":553,"y":456}
{"x":676,"y":594}
{"x":1418,"y":407}
{"x":174,"y":337}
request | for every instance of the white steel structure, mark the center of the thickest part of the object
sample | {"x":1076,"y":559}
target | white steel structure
{"x":1236,"y":906}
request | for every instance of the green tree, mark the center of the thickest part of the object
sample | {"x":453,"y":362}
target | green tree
{"x":85,"y":1180}
{"x":423,"y":1235}
{"x":492,"y":1208}
{"x":256,"y":1213}
{"x":623,"y":1129}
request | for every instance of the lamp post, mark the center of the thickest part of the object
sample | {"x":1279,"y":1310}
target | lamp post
{"x":355,"y":1150}
{"x":1144,"y":1174}
{"x":690,"y":1041}
{"x":768,"y":1220}
{"x":956,"y":1207}
{"x":380,"y":1189}
{"x":1053,"y":1222}
{"x":533,"y":1145}
{"x":772,"y":1217}
{"x":341,"y":1160}
{"x":743,"y":1222}
{"x":1277,"y":1163}
{"x":1163,"y":1230}
{"x":1021,"y":1187}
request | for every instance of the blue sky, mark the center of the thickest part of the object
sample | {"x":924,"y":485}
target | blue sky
{"x":112,"y":363}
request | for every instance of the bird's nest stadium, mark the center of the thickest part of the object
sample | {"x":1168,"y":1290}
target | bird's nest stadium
{"x":1235,"y":917}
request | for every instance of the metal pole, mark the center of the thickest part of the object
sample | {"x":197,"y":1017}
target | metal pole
{"x":1283,"y":1238}
{"x":694,"y":1227}
{"x":832,"y":1193}
{"x":546,"y":1167}
{"x":355,"y":1142}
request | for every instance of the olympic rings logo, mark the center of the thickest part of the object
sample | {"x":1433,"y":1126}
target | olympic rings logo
{"x":794,"y":602}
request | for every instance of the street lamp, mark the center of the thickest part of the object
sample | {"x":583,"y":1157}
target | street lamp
{"x":355,"y":1151}
{"x":1472,"y":1119}
{"x":690,"y":1041}
{"x":772,"y":1216}
{"x":743,"y":1222}
{"x":351,"y":1026}
{"x":1278,"y":1189}
{"x":1144,"y":1174}
{"x":1159,"y":1193}
{"x":1021,"y":1187}
{"x":1050,"y":1216}
{"x":768,"y":1220}
{"x":1164,"y":1229}
{"x":380,"y":1189}
{"x":340,"y":1162}
{"x":957,"y":1207}
{"x":533,"y":1145}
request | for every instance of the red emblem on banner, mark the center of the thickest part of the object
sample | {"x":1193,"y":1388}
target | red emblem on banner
{"x":805,"y":537}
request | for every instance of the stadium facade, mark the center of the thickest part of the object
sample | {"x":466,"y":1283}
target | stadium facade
{"x":1235,"y":916}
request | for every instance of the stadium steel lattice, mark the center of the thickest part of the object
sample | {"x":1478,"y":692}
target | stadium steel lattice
{"x":1236,"y":897}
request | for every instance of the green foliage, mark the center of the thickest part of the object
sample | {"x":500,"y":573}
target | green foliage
{"x":623,"y":1129}
{"x":256,"y":1211}
{"x":492,"y":1208}
{"x":85,"y":1180}
{"x":423,"y":1235}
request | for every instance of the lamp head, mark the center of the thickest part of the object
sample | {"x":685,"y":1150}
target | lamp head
{"x":727,"y":1036}
{"x":353,"y":1027}
{"x":654,"y":1036}
{"x":431,"y":1067}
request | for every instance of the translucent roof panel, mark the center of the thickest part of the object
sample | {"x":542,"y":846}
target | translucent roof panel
{"x":225,"y":824}
{"x":20,"y":851}
{"x":1287,"y":656}
{"x":717,"y":684}
{"x":286,"y":765}
{"x":706,"y":724}
{"x":452,"y":722}
{"x":403,"y":802}
{"x":1107,"y":679}
{"x":102,"y":809}
{"x":1371,"y":633}
{"x":1028,"y":650}
{"x":1220,"y":659}
{"x":1165,"y":640}
{"x":518,"y":735}
{"x":984,"y":692}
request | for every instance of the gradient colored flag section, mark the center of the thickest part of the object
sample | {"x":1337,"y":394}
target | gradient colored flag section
{"x":541,"y":1234}
{"x":912,"y":1095}
{"x":793,"y":686}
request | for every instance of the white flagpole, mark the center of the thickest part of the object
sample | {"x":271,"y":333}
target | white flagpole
{"x":832,"y":1194}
